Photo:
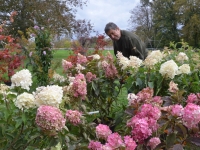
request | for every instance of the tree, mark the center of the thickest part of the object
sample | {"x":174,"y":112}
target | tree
{"x":165,"y":21}
{"x":189,"y":18}
{"x":141,"y":22}
{"x":57,"y":15}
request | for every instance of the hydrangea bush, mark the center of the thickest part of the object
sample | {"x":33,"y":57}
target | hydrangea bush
{"x":162,"y":110}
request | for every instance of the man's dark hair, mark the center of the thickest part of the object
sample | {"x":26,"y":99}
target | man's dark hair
{"x":110,"y":26}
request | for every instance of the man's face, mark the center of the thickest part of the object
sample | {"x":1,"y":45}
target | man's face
{"x":114,"y":34}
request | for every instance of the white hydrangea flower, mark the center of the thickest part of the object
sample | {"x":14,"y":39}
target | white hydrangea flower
{"x":25,"y":100}
{"x":95,"y":56}
{"x":58,"y":77}
{"x":181,"y":57}
{"x":79,"y":67}
{"x":50,"y":95}
{"x":169,"y":69}
{"x":153,"y":58}
{"x":184,"y":69}
{"x":135,"y":62}
{"x":123,"y":61}
{"x":23,"y":79}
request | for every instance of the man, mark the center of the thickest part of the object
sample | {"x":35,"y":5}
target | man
{"x":126,"y":42}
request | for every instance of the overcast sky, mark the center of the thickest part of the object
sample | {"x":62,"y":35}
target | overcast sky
{"x":100,"y":12}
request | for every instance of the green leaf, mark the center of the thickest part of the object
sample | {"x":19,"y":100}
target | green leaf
{"x":170,"y":140}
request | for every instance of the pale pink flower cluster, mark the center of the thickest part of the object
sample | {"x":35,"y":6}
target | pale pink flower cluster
{"x":79,"y":67}
{"x":140,"y":128}
{"x":25,"y":100}
{"x":102,"y":131}
{"x":50,"y":118}
{"x":153,"y":58}
{"x":58,"y":77}
{"x":144,"y":96}
{"x":184,"y":69}
{"x":130,"y":144}
{"x":192,"y":98}
{"x":123,"y":61}
{"x":181,"y":57}
{"x":173,"y":87}
{"x":73,"y":116}
{"x":191,"y":115}
{"x":114,"y":141}
{"x":177,"y":110}
{"x":22,"y":78}
{"x":95,"y":145}
{"x":95,"y":56}
{"x":153,"y":142}
{"x":110,"y":70}
{"x":144,"y":122}
{"x":169,"y":69}
{"x":90,"y":77}
{"x":81,"y":59}
{"x":79,"y":86}
{"x":66,"y":65}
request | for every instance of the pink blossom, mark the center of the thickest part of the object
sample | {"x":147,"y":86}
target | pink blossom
{"x":73,"y":116}
{"x":50,"y":118}
{"x":153,"y":142}
{"x":157,"y":100}
{"x":44,"y":52}
{"x":30,"y":54}
{"x":132,"y":99}
{"x":114,"y":141}
{"x":66,"y":65}
{"x":177,"y":110}
{"x":147,"y":110}
{"x":79,"y":86}
{"x":90,"y":76}
{"x":110,"y":70}
{"x":141,"y":130}
{"x":191,"y":98}
{"x":191,"y":115}
{"x":173,"y":87}
{"x":94,"y":145}
{"x":129,"y":143}
{"x":36,"y":27}
{"x":81,"y":59}
{"x":103,"y":131}
{"x":146,"y":93}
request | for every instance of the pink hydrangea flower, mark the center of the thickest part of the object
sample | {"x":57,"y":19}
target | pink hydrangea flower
{"x":153,"y":142}
{"x":177,"y":110}
{"x":146,"y":93}
{"x":50,"y":118}
{"x":114,"y":141}
{"x":110,"y":70}
{"x":157,"y":100}
{"x":90,"y":77}
{"x":141,"y":130}
{"x":103,"y":131}
{"x":95,"y":145}
{"x":81,"y":59}
{"x":79,"y":86}
{"x":73,"y":116}
{"x":192,"y":98}
{"x":66,"y":65}
{"x":173,"y":88}
{"x":191,"y":115}
{"x":147,"y":110}
{"x":129,"y":143}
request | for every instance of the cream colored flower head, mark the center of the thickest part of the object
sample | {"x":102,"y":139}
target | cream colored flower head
{"x":25,"y":101}
{"x":123,"y":61}
{"x":58,"y":77}
{"x":184,"y":69}
{"x":50,"y":95}
{"x":95,"y":56}
{"x":135,"y":62}
{"x":153,"y":58}
{"x":181,"y":57}
{"x":23,"y":79}
{"x":169,"y":69}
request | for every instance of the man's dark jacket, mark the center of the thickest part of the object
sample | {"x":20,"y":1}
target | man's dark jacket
{"x":130,"y":45}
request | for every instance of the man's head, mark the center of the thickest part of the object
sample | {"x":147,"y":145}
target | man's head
{"x":113,"y":31}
